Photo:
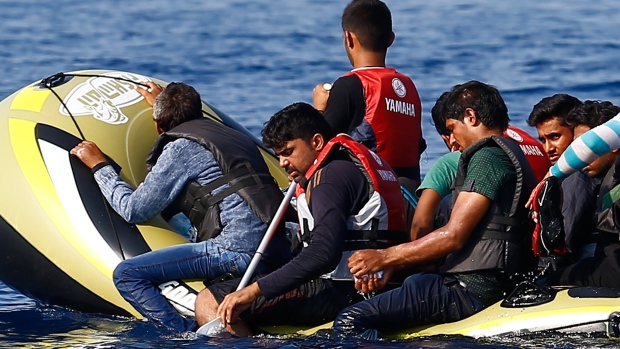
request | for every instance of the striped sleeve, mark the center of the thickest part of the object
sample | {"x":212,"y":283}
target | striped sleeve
{"x":588,"y":147}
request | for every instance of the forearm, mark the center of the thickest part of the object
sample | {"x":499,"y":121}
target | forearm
{"x":588,"y":147}
{"x":443,"y":241}
{"x":422,"y":251}
{"x":306,"y":266}
{"x":132,"y":206}
{"x":321,"y":256}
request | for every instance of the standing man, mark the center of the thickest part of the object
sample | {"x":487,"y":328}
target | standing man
{"x":348,"y":198}
{"x":579,"y":200}
{"x":485,"y":245}
{"x":214,"y":175}
{"x":378,"y":106}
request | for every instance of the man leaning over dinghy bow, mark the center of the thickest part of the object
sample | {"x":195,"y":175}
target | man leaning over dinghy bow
{"x":210,"y":172}
{"x":483,"y":253}
{"x":348,"y":198}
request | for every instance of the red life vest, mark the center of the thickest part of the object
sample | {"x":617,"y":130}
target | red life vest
{"x":386,"y":199}
{"x":394,"y":112}
{"x":533,"y":150}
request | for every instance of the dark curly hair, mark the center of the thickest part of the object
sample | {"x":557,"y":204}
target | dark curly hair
{"x":438,"y":113}
{"x":296,"y":121}
{"x":558,"y":105}
{"x":592,"y":113}
{"x":484,"y":99}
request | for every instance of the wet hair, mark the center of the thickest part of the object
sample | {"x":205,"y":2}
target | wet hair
{"x":558,"y":105}
{"x":296,"y":121}
{"x":438,"y":113}
{"x":371,"y":22}
{"x":484,"y":99}
{"x":592,"y":113}
{"x":176,"y":104}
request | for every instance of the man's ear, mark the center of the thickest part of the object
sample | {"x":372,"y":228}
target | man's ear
{"x":471,"y":117}
{"x":392,"y":37}
{"x":317,"y":142}
{"x":348,"y":39}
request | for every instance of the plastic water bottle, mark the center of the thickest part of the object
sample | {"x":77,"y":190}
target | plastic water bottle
{"x":378,"y":275}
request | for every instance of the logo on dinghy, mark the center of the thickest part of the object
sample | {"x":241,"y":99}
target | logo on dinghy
{"x":103,"y":97}
{"x":180,"y":296}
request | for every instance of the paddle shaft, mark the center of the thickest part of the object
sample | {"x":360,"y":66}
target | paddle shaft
{"x":268,"y":235}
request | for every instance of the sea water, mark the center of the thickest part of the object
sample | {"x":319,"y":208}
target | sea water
{"x":251,"y":58}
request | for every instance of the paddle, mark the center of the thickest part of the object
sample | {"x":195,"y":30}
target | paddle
{"x":215,"y":325}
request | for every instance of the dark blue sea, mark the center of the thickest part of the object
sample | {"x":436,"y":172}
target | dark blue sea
{"x":251,"y":58}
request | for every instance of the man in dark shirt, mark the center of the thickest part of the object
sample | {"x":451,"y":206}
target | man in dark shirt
{"x":300,"y":292}
{"x":602,"y":269}
{"x":579,"y":200}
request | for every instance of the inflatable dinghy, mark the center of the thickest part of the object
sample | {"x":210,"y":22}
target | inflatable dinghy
{"x":60,"y":239}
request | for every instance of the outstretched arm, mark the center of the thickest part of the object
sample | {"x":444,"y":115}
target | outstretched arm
{"x":588,"y":147}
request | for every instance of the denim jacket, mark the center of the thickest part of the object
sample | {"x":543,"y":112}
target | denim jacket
{"x":182,"y":161}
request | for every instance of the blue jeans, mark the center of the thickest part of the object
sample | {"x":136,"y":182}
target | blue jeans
{"x":424,"y":298}
{"x":137,"y":278}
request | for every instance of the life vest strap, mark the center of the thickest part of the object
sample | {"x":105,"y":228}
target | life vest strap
{"x":200,"y":197}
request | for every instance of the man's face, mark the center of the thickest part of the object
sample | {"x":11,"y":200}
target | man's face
{"x":600,"y":166}
{"x":459,"y":134}
{"x":555,"y":137}
{"x":296,"y":157}
{"x":450,"y":142}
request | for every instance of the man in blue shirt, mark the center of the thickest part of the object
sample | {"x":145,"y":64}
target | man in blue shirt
{"x":210,"y":172}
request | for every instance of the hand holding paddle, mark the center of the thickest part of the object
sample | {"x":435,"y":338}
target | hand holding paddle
{"x":237,"y":302}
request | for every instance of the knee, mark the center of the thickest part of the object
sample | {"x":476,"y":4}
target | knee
{"x":118,"y":273}
{"x":353,"y":319}
{"x":415,"y":280}
{"x":122,"y":273}
{"x":205,"y":307}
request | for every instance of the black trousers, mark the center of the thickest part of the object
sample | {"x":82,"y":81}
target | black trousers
{"x":599,"y":271}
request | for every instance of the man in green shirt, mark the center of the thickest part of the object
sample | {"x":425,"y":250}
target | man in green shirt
{"x":484,"y":245}
{"x":433,"y":207}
